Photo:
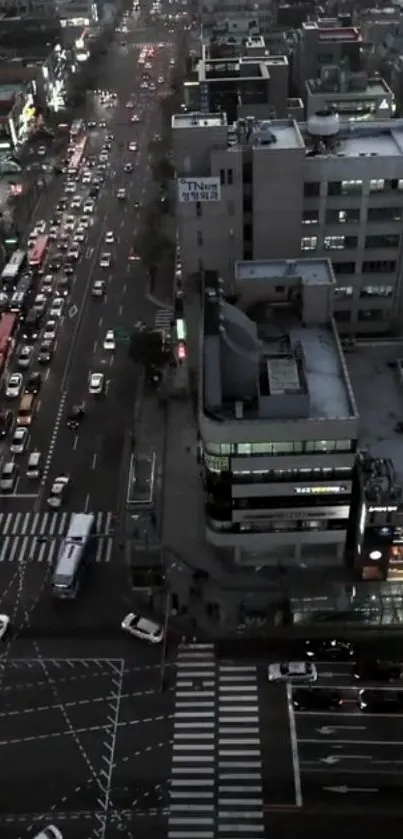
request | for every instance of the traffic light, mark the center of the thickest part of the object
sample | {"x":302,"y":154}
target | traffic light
{"x":181,"y":350}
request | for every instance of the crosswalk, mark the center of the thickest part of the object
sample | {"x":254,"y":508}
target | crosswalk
{"x":216,"y":777}
{"x":163,"y":319}
{"x":36,"y":537}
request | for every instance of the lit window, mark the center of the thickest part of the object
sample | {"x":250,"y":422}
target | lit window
{"x":310,"y":217}
{"x":343,"y":291}
{"x":309,"y":243}
{"x":376,"y":185}
{"x":348,"y":187}
{"x":376,"y":291}
{"x":334,"y":243}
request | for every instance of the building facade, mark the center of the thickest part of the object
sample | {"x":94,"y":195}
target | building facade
{"x":354,"y":96}
{"x":277,"y":190}
{"x":277,"y":418}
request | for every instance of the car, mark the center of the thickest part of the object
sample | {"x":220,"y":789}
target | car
{"x":143,"y":628}
{"x":110,"y":137}
{"x":31,"y":326}
{"x":92,"y":124}
{"x":329,"y":649}
{"x":47,"y":284}
{"x":49,"y":832}
{"x":55,"y":264}
{"x":56,"y":308}
{"x":292,"y":671}
{"x":33,"y":383}
{"x":160,"y":80}
{"x":70,"y":224}
{"x":61,"y":205}
{"x":40,"y":303}
{"x":19,"y":440}
{"x":25,"y":356}
{"x":70,"y":187}
{"x":102,"y":124}
{"x":68,"y":269}
{"x":96,"y":384}
{"x":42,"y":151}
{"x":134,"y":257}
{"x":76,"y":203}
{"x":73,"y":253}
{"x":129,"y":167}
{"x":4,"y":624}
{"x":133,"y":147}
{"x":63,"y":243}
{"x":135,"y":118}
{"x":103,"y":158}
{"x":59,"y":491}
{"x":98,"y":288}
{"x":380,"y":701}
{"x":121,"y":194}
{"x":8,"y":476}
{"x":109,"y":340}
{"x":105,"y":260}
{"x":45,"y":352}
{"x":79,"y":235}
{"x":86,"y":178}
{"x":40,"y":226}
{"x":53,"y":232}
{"x":6,"y":421}
{"x":89,"y":207}
{"x":75,"y":416}
{"x":109,"y":237}
{"x":130,"y":105}
{"x":50,"y":330}
{"x":14,"y":385}
{"x":106,"y":147}
{"x":376,"y":670}
{"x":313,"y":699}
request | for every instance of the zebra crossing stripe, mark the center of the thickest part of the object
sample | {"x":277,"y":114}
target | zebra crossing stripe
{"x":35,"y":537}
{"x":163,"y":319}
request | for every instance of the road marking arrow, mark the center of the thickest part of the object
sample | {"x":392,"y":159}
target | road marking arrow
{"x":344,"y":789}
{"x":331,"y":729}
{"x":73,"y":311}
{"x":332,"y":759}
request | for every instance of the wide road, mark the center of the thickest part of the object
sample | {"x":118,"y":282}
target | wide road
{"x":94,"y":456}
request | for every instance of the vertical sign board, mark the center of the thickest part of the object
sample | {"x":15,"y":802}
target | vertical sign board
{"x":198,"y":190}
{"x":204,"y":98}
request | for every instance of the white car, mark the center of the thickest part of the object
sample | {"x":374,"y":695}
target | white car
{"x":40,"y":303}
{"x":25,"y":356}
{"x":19,"y":440}
{"x":121,"y":193}
{"x":105,"y":260}
{"x":56,"y":308}
{"x":49,"y":832}
{"x":70,"y":187}
{"x":14,"y":385}
{"x":96,"y":384}
{"x":73,"y":253}
{"x":109,"y":237}
{"x":130,"y":105}
{"x":59,"y":491}
{"x":4,"y":624}
{"x":49,"y":333}
{"x":40,"y":226}
{"x":79,"y":235}
{"x":69,"y":224}
{"x":42,"y":151}
{"x":76,"y":203}
{"x":47,"y":284}
{"x":292,"y":671}
{"x":98,"y":288}
{"x":86,"y":178}
{"x":109,"y":340}
{"x":143,"y":628}
{"x":53,"y":232}
{"x":132,"y":146}
{"x":88,"y":208}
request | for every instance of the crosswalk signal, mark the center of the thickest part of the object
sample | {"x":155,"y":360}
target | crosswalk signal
{"x":181,"y":351}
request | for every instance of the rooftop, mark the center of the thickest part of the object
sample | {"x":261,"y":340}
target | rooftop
{"x":373,"y":371}
{"x":382,"y":138}
{"x":357,"y":86}
{"x":328,"y":30}
{"x":266,"y":354}
{"x":281,"y":133}
{"x":198,"y":120}
{"x":241,"y":68}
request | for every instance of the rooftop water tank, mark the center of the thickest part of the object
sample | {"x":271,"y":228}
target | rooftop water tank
{"x":324,"y":124}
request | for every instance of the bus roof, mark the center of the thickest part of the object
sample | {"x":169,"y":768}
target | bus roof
{"x":80,"y":527}
{"x":70,"y":555}
{"x":14,"y":265}
{"x":7,"y":326}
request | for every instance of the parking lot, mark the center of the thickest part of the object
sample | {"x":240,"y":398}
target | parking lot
{"x":354,"y":757}
{"x":82,"y":741}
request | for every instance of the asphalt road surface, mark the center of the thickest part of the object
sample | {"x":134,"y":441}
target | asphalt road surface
{"x":95,"y":457}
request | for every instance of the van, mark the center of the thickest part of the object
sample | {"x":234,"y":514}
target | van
{"x":17,"y":302}
{"x":34,"y":469}
{"x":26,"y":409}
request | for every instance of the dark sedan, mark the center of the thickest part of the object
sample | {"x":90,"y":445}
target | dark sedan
{"x":375,"y":670}
{"x":329,"y":649}
{"x":380,"y":701}
{"x":316,"y":699}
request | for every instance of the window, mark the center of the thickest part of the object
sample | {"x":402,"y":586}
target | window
{"x":376,"y":185}
{"x":338,"y":243}
{"x":394,"y":184}
{"x":351,"y":187}
{"x":388,"y":240}
{"x":310,"y":217}
{"x":325,"y":446}
{"x":222,"y":177}
{"x":343,"y":216}
{"x":334,"y":188}
{"x":309,"y":243}
{"x":343,"y":291}
{"x":379,"y":266}
{"x":247,"y":204}
{"x":198,"y":209}
{"x":230,"y":177}
{"x":312,"y":189}
{"x":376,"y":291}
{"x":199,"y":238}
{"x":385,"y":214}
{"x":247,"y":232}
{"x":342,"y":316}
{"x":246,"y":173}
{"x":343,"y":267}
{"x":370,"y":315}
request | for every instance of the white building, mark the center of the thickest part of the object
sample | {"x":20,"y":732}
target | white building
{"x":265,"y":189}
{"x":277,"y":417}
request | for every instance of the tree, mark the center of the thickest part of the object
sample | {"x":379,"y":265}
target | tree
{"x":150,"y":245}
{"x":146,"y":348}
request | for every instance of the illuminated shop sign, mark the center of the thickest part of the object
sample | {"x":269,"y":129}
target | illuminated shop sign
{"x":320,"y":490}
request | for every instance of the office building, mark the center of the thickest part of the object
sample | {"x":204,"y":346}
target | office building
{"x":324,"y":42}
{"x":277,"y":417}
{"x":354,"y":96}
{"x":277,"y":190}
